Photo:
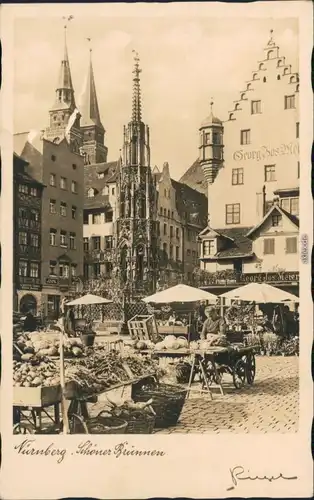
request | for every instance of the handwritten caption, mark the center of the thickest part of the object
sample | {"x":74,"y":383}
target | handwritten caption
{"x":29,"y":447}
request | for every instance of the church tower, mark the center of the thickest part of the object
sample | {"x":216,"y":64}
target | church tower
{"x":211,"y":146}
{"x":94,"y":149}
{"x":136,"y":236}
{"x":64,"y":116}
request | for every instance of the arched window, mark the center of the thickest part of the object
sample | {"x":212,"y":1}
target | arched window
{"x":292,"y":79}
{"x":243,"y":95}
{"x":165,"y":212}
{"x":237,"y":106}
{"x":286,"y":71}
{"x":261,"y":66}
{"x":168,"y":214}
{"x":90,"y":193}
{"x":231,"y":116}
{"x":161,"y":211}
{"x":278,"y":77}
{"x":270,"y":54}
{"x":254,"y":76}
{"x":279,"y":63}
{"x":297,"y":88}
{"x":249,"y":85}
{"x":264,"y":79}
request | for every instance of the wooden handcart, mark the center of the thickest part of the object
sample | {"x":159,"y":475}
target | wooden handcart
{"x":31,"y":405}
{"x":239,"y":362}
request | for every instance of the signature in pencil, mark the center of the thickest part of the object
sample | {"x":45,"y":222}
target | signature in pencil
{"x":238,"y":474}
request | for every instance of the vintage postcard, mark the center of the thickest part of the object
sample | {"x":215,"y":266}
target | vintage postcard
{"x":156,"y":228}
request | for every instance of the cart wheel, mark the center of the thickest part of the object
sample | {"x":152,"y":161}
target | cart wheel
{"x":239,"y":373}
{"x":250,"y":368}
{"x":23,"y":428}
{"x":77,"y":424}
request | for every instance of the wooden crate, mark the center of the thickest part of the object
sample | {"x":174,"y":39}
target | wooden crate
{"x":143,"y":328}
{"x":36,"y":396}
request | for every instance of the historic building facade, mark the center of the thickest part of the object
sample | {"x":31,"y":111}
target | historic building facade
{"x":55,"y":160}
{"x":27,"y":217}
{"x":251,"y":164}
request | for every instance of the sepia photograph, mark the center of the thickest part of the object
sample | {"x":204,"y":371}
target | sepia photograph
{"x":155,"y":238}
{"x":156,"y":296}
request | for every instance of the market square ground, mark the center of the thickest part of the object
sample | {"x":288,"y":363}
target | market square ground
{"x":270,"y":405}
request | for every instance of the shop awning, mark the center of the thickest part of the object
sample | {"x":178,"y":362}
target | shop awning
{"x":261,"y":293}
{"x":180,"y":293}
{"x":88,"y":299}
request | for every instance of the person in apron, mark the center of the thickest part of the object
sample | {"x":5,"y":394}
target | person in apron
{"x":214,"y":327}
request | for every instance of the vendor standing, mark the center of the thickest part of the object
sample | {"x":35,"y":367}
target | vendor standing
{"x":214,"y":326}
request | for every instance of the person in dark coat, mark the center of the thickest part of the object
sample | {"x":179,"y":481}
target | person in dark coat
{"x":29,"y":323}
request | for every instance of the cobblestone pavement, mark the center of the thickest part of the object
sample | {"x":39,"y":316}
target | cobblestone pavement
{"x":270,"y":405}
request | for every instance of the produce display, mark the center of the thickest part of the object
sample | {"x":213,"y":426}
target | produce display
{"x":41,"y":345}
{"x":100,"y":370}
{"x":27,"y":374}
{"x":171,"y":342}
{"x":129,"y":410}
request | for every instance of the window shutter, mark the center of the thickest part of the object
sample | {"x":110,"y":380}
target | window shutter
{"x":291,"y":245}
{"x":269,"y":246}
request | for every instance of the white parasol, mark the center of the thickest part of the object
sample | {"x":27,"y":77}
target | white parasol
{"x":87,"y":300}
{"x":261,"y":293}
{"x":180,"y":293}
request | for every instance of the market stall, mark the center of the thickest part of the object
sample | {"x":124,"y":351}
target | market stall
{"x":253,"y":326}
{"x":180,"y":294}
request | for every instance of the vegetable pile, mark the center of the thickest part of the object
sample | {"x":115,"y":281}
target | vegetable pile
{"x":171,"y":342}
{"x":129,"y":410}
{"x":30,"y":345}
{"x":35,"y":375}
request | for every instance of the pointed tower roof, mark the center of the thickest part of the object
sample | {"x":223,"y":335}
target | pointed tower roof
{"x":65,"y":81}
{"x":211,"y":119}
{"x":136,"y":100}
{"x":89,"y":103}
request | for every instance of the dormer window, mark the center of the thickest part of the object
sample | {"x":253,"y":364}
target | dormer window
{"x":286,"y":71}
{"x":248,"y":87}
{"x":276,"y":220}
{"x":261,"y":66}
{"x":101,"y":175}
{"x":105,"y":190}
{"x":237,"y":106}
{"x":243,"y":96}
{"x":255,"y":76}
{"x":208,"y":248}
{"x":91,"y":193}
{"x":270,"y":54}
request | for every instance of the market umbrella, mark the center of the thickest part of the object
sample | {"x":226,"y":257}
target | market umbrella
{"x":180,"y":293}
{"x":261,"y":293}
{"x":87,"y":300}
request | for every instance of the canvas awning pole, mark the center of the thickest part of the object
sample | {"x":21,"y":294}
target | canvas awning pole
{"x":62,"y":383}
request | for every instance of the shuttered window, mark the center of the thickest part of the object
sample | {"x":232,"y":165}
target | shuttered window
{"x":269,"y":246}
{"x":291,"y":245}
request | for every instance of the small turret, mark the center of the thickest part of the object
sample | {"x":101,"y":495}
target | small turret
{"x":211,"y":146}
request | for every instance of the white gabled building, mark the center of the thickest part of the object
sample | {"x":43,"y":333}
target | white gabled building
{"x":251,"y":164}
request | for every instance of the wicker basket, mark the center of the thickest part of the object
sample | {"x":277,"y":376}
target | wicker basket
{"x":141,"y":424}
{"x":168,"y":401}
{"x":106,"y":425}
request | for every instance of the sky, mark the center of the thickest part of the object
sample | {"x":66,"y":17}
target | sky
{"x":185,"y":63}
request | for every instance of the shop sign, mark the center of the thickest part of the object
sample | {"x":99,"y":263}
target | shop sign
{"x":266,"y":152}
{"x":51,"y":281}
{"x":34,"y":288}
{"x":269,"y":277}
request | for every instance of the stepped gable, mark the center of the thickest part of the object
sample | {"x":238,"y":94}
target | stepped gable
{"x":96,"y":177}
{"x":195,"y":179}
